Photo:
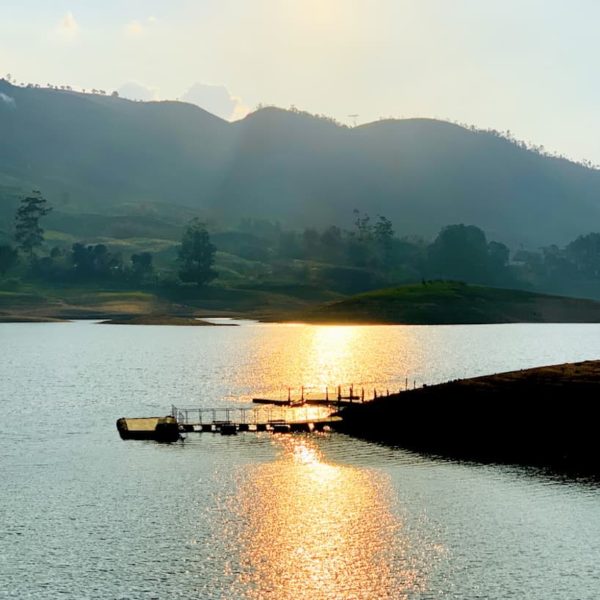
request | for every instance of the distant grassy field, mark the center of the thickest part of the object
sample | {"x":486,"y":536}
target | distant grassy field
{"x":454,"y":303}
{"x":34,"y":302}
{"x":39,"y":301}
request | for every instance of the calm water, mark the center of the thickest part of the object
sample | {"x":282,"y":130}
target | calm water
{"x":85,"y":515}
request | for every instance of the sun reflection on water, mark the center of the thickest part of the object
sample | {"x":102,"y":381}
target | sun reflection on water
{"x":331,"y":351}
{"x":316,"y":530}
{"x":322,"y":357}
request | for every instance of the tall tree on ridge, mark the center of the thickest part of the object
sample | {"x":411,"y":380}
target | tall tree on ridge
{"x":196,"y":255}
{"x":28,"y":233}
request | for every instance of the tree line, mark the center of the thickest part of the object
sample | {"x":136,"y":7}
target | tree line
{"x":367,"y":255}
{"x":97,"y":262}
{"x":370,"y":254}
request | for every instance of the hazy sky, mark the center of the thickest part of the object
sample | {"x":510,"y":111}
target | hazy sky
{"x":530,"y":66}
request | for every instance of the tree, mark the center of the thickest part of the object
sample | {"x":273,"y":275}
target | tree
{"x":94,"y":262}
{"x":8,"y":258}
{"x":383,"y":233}
{"x":584,"y":253}
{"x":460,"y":252}
{"x":141,"y":265}
{"x":362,"y":225}
{"x":28,"y":233}
{"x":196,"y":255}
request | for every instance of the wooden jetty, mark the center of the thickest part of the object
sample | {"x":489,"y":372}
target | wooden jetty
{"x":223,"y":420}
{"x":230,"y":420}
{"x":286,"y":415}
{"x":339,"y":399}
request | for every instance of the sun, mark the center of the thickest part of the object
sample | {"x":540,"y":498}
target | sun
{"x":324,"y":13}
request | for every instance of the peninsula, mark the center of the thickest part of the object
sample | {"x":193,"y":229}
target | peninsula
{"x":453,"y":303}
{"x":543,"y":417}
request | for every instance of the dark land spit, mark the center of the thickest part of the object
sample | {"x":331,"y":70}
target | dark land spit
{"x":543,"y":417}
{"x":163,"y":320}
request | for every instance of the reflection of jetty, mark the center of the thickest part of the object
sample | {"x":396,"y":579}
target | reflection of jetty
{"x":339,"y":399}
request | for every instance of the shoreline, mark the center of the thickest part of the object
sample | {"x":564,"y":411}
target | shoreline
{"x":182,"y":320}
{"x":171,"y":320}
{"x":135,"y":318}
{"x":434,"y":303}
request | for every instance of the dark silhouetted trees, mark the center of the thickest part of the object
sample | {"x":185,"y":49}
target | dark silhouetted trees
{"x":196,"y":255}
{"x":584,"y":254}
{"x":95,"y":262}
{"x":28,"y":233}
{"x":142,"y":268}
{"x":8,"y":258}
{"x":461,"y":252}
{"x":383,"y":236}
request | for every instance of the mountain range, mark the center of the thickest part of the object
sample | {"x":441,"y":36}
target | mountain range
{"x":107,"y":157}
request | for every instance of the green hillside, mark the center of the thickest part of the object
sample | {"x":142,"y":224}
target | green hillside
{"x":97,"y":156}
{"x":454,"y":303}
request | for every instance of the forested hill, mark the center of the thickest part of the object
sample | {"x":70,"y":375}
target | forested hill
{"x":90,"y":153}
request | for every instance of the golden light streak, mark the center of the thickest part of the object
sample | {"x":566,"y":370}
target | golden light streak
{"x":318,"y":530}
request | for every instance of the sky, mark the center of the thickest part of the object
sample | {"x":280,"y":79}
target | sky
{"x":528,"y":66}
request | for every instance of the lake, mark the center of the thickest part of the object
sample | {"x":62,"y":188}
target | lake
{"x":86,"y":515}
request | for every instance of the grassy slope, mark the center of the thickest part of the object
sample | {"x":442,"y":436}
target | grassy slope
{"x":453,"y":303}
{"x":434,"y":303}
{"x":36,"y":301}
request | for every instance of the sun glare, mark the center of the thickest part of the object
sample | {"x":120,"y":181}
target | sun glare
{"x":319,"y":530}
{"x":324,"y":13}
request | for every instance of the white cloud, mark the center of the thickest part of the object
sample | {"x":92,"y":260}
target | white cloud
{"x":134,"y":90}
{"x":68,"y":26}
{"x":216,"y":99}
